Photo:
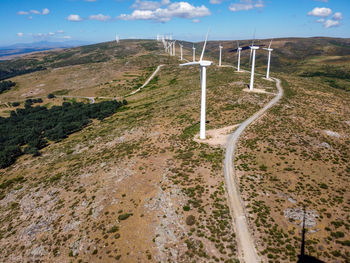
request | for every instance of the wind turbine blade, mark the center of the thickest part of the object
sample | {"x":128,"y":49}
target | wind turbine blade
{"x":254,"y":37}
{"x":270,"y":44}
{"x":189,"y":64}
{"x":205,"y":43}
{"x":237,"y":45}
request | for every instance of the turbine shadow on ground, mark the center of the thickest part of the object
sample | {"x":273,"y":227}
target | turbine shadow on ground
{"x":302,"y":257}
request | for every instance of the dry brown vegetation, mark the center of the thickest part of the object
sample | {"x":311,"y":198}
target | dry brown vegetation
{"x":136,"y":187}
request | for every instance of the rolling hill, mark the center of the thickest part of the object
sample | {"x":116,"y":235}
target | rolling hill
{"x":137,"y":187}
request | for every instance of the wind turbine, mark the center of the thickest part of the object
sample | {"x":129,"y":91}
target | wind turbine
{"x":220,"y":47}
{"x":117,"y":38}
{"x":269,"y":49}
{"x":203,"y":64}
{"x":239,"y":49}
{"x":194,"y":53}
{"x":181,"y":46}
{"x":253,"y":49}
{"x":174,"y":48}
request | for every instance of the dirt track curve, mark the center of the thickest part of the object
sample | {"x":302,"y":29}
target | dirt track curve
{"x":246,"y":247}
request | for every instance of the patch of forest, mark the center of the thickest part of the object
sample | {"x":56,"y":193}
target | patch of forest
{"x":28,"y":129}
{"x":6,"y":85}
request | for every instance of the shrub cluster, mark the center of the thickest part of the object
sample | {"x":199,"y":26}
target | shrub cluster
{"x":27,"y":130}
{"x":6,"y":85}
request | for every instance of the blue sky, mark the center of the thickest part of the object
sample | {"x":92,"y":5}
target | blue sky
{"x":25,"y":21}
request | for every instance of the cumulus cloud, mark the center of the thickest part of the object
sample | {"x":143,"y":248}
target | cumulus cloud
{"x":20,"y":34}
{"x":245,"y":5}
{"x":22,"y":13}
{"x":46,"y":11}
{"x":338,"y":16}
{"x":323,"y":13}
{"x":331,"y":23}
{"x":177,"y":9}
{"x":146,"y":5}
{"x":35,"y":12}
{"x":74,"y":18}
{"x":320,"y":11}
{"x":99,"y":17}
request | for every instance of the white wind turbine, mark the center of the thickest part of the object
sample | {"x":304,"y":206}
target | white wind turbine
{"x":170,"y":48}
{"x":194,"y":53}
{"x":239,"y":49}
{"x":220,"y":47}
{"x":253,"y":49}
{"x":269,"y":49}
{"x":117,"y":38}
{"x":174,"y":48}
{"x":203,"y":64}
{"x":181,"y":46}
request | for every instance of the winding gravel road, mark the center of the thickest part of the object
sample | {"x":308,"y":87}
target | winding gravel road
{"x":246,"y":247}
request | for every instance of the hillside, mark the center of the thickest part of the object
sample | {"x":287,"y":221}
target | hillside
{"x":137,"y":187}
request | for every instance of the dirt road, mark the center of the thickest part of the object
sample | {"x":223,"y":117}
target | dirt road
{"x":246,"y":247}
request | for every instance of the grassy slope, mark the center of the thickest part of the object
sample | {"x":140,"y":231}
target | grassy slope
{"x":142,"y":161}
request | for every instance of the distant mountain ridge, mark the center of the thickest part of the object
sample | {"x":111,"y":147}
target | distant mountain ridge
{"x":25,"y":48}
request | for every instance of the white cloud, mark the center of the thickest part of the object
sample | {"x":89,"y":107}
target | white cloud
{"x":20,"y":34}
{"x":177,"y":9}
{"x":35,"y":12}
{"x":245,"y":5}
{"x":22,"y":13}
{"x":90,"y":0}
{"x":51,"y":33}
{"x":74,"y":18}
{"x":195,"y":20}
{"x":149,"y":5}
{"x":215,"y":2}
{"x":338,"y":16}
{"x":46,"y":11}
{"x":321,"y":20}
{"x":331,"y":23}
{"x":320,"y":11}
{"x":60,"y":31}
{"x":99,"y":17}
{"x":146,"y":5}
{"x":67,"y":37}
{"x":325,"y":1}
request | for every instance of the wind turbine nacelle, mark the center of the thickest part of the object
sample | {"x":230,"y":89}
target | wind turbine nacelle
{"x":268,"y":49}
{"x":205,"y":63}
{"x":254,"y":47}
{"x":239,"y":48}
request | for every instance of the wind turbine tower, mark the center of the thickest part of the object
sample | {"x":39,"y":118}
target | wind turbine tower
{"x":203,"y":64}
{"x":239,"y":49}
{"x":117,"y":38}
{"x":269,"y":49}
{"x":252,"y":49}
{"x":194,"y":53}
{"x":174,"y":47}
{"x":181,"y":46}
{"x":220,"y":47}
